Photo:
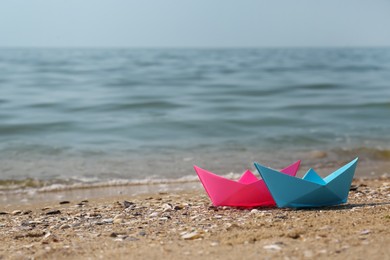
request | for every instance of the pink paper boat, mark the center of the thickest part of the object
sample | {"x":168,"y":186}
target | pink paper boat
{"x":247,"y":192}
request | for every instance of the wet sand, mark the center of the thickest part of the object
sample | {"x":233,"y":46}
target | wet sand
{"x":184,"y":225}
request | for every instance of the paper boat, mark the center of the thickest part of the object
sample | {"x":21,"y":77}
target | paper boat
{"x":311,"y":190}
{"x":247,"y":192}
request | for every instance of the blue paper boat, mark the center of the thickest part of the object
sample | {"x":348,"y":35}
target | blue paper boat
{"x":311,"y":190}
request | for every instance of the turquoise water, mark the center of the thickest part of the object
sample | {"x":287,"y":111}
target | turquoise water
{"x":70,"y":115}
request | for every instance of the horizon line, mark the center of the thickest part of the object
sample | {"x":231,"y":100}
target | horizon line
{"x":198,"y":47}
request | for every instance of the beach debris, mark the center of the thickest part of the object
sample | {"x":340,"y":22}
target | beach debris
{"x":273,"y":247}
{"x":49,"y":237}
{"x":281,"y":216}
{"x":94,"y":215}
{"x":26,"y":223}
{"x":82,"y":203}
{"x":365,"y":232}
{"x":3,"y":213}
{"x":108,"y":220}
{"x":212,"y":207}
{"x":16,"y":212}
{"x":166,"y":207}
{"x":118,"y":219}
{"x":118,"y":234}
{"x":154,"y":214}
{"x":64,"y":202}
{"x":191,"y":235}
{"x":64,"y":226}
{"x":53,"y":212}
{"x":353,"y":188}
{"x":76,"y":224}
{"x":127,"y":204}
{"x":179,"y":207}
{"x":31,"y":234}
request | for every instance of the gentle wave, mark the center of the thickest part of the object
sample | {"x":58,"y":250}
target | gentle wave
{"x":368,"y":153}
{"x":33,"y":128}
{"x":322,"y":86}
{"x":9,"y":187}
{"x":126,"y":106}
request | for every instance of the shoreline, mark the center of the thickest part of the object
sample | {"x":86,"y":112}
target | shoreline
{"x":367,"y":169}
{"x":26,"y":197}
{"x":21,"y":171}
{"x":184,"y":225}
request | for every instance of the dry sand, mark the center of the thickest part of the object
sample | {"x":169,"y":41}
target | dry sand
{"x":184,"y":225}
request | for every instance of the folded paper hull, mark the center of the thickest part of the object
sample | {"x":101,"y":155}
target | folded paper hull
{"x":247,"y":192}
{"x":311,"y":190}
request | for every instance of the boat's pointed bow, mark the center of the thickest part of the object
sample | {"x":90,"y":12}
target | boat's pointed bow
{"x":207,"y":178}
{"x":348,"y":169}
{"x":339,"y":182}
{"x":218,"y":188}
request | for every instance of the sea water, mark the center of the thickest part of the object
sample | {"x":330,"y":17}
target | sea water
{"x":71,"y":116}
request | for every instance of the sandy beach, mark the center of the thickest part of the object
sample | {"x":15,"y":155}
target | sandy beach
{"x":184,"y":225}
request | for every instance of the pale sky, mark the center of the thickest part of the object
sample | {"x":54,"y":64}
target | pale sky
{"x":194,"y":23}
